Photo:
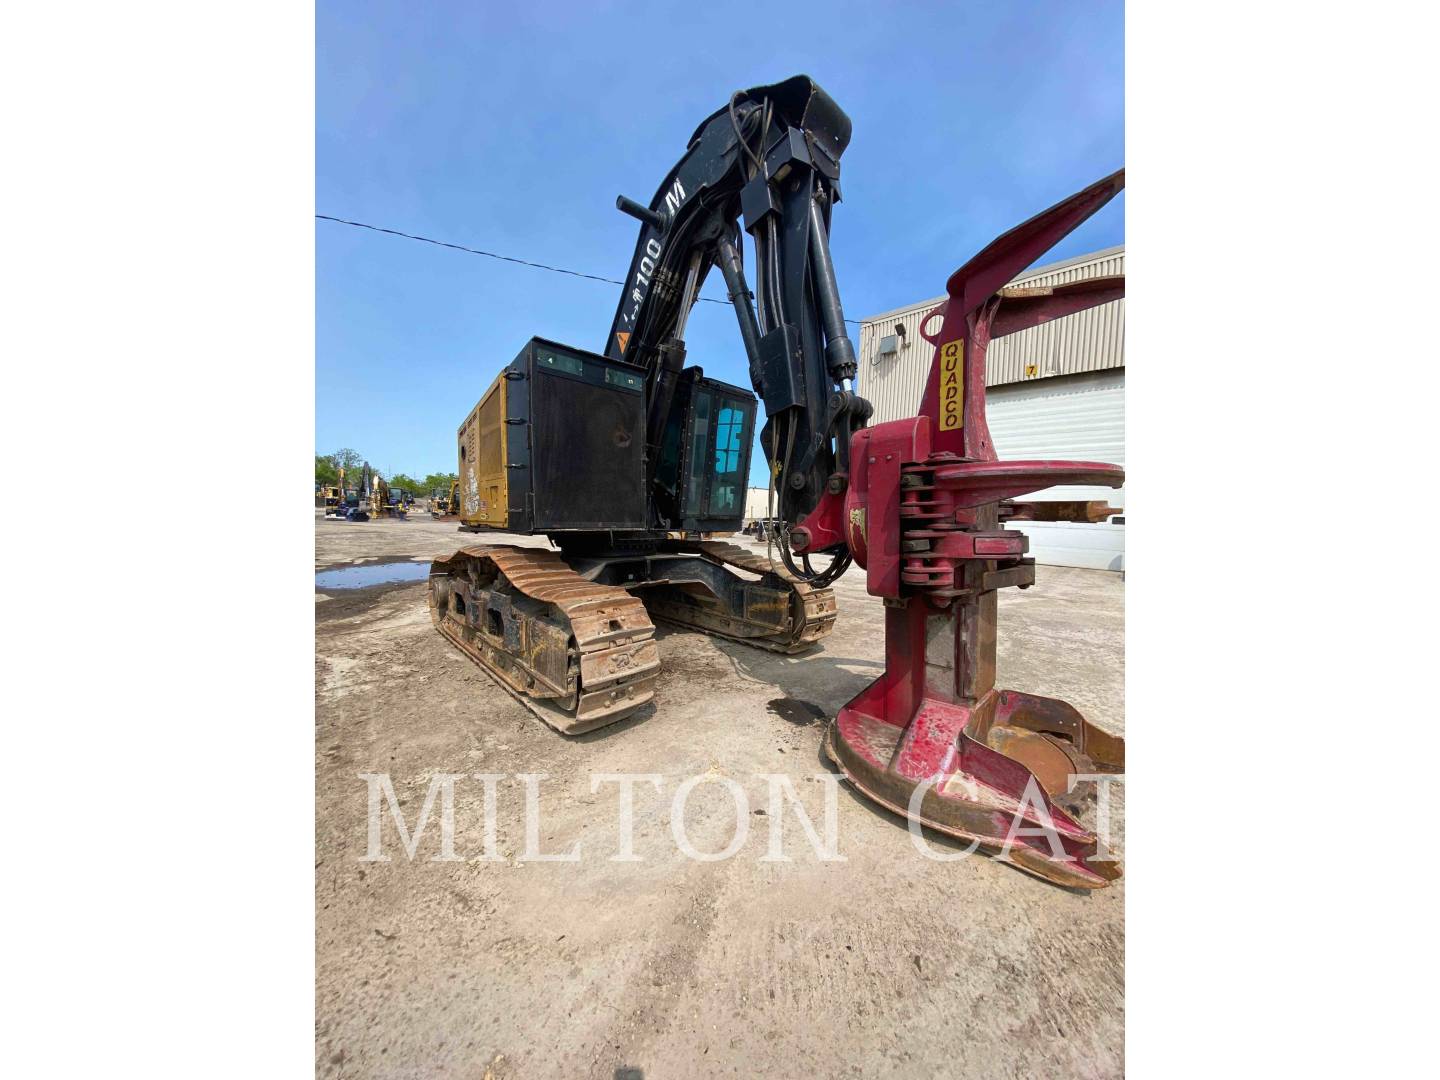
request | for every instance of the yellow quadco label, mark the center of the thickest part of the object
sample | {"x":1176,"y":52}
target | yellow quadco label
{"x":952,"y":385}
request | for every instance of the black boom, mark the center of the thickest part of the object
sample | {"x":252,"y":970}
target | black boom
{"x":771,"y":158}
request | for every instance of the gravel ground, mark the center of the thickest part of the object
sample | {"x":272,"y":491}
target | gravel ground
{"x":885,"y":964}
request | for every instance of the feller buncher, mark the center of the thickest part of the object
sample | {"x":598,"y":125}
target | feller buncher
{"x":609,"y":453}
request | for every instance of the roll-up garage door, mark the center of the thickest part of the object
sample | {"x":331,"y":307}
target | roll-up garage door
{"x":1072,"y":417}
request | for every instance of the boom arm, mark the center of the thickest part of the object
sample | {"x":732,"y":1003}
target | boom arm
{"x":772,"y":159}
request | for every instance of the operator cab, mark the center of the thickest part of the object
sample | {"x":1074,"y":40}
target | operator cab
{"x":707,"y":442}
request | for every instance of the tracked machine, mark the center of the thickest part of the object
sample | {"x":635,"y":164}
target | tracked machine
{"x":328,"y":498}
{"x":445,"y":502}
{"x":392,"y":502}
{"x":356,"y":503}
{"x":612,"y":454}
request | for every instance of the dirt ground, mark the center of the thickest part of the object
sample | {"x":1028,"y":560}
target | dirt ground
{"x":885,"y":964}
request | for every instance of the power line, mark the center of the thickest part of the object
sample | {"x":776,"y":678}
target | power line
{"x":477,"y":251}
{"x":502,"y":258}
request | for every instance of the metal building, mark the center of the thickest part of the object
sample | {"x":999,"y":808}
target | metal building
{"x":757,"y":501}
{"x":1054,"y":391}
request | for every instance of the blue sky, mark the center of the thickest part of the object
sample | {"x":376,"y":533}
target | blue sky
{"x":513,"y":128}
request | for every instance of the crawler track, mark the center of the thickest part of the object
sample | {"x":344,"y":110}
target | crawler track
{"x":782,"y":613}
{"x":580,"y":654}
{"x":577,"y":654}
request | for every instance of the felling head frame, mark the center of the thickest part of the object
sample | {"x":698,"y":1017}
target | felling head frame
{"x":933,"y":738}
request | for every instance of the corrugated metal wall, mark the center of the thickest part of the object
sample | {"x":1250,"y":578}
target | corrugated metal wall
{"x":1092,"y":340}
{"x":1074,"y":418}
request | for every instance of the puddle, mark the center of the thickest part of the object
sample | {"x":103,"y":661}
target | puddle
{"x":363,"y":577}
{"x":796,"y":711}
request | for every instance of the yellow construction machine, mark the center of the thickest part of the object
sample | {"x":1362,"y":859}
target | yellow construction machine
{"x":445,"y":505}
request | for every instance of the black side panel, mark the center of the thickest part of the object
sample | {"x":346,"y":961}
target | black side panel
{"x":586,"y":454}
{"x":669,"y":491}
{"x":517,"y":443}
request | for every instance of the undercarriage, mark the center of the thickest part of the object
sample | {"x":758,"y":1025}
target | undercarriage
{"x":572,"y":636}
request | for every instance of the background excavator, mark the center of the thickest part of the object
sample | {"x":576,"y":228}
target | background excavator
{"x":389,"y":502}
{"x":355,"y":501}
{"x":610,"y":454}
{"x":445,"y":502}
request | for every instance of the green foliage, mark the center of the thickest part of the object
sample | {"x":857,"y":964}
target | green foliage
{"x":438,"y":482}
{"x":405,"y":483}
{"x":328,"y":466}
{"x":326,"y":475}
{"x":349,"y":460}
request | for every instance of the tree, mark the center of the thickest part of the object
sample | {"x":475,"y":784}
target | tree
{"x":349,"y":460}
{"x":438,"y":482}
{"x":405,"y":483}
{"x":328,"y":466}
{"x":326,"y":475}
